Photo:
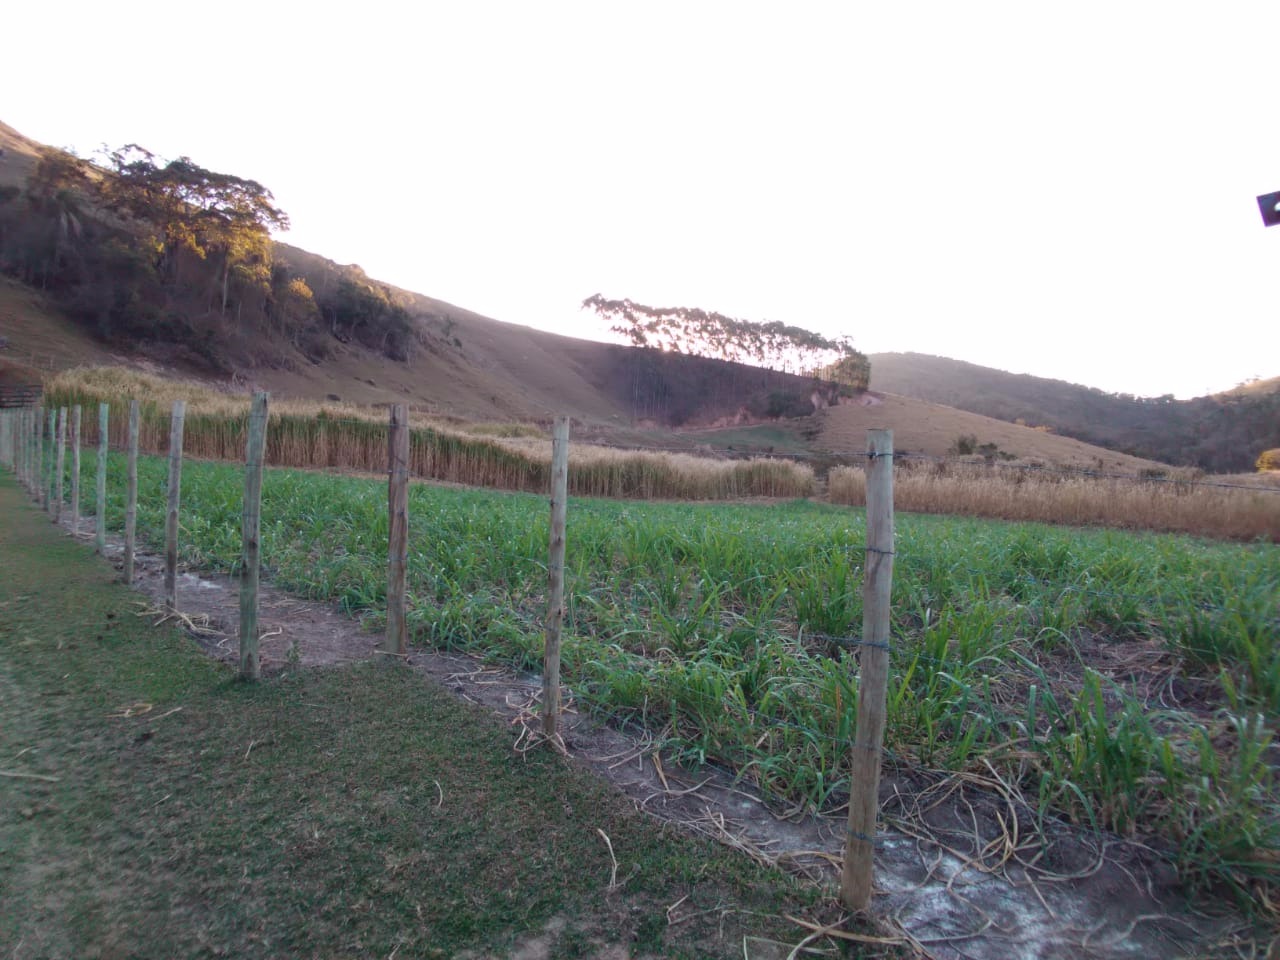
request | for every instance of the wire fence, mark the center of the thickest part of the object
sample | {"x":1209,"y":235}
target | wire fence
{"x":989,"y":703}
{"x":824,"y":461}
{"x":1152,"y":602}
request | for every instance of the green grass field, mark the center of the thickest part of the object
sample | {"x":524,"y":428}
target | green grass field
{"x":154,"y":807}
{"x":1123,"y":681}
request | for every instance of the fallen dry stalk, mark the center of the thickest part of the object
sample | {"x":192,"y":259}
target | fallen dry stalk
{"x":19,"y":775}
{"x":613,"y":873}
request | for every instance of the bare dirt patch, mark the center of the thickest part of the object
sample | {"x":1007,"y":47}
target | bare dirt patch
{"x":965,"y":867}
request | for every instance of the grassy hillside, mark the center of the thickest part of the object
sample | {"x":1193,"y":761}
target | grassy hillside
{"x":1221,"y":433}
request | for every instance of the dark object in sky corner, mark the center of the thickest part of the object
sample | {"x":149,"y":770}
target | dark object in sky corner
{"x":1269,"y":204}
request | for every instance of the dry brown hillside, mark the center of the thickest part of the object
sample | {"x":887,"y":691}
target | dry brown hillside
{"x":474,"y":367}
{"x":931,"y":429}
{"x":40,"y":339}
{"x":18,"y":156}
{"x":453,"y":362}
{"x":508,"y":372}
{"x":1222,"y":433}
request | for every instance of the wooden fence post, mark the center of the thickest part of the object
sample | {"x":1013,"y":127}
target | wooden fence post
{"x":75,"y":470}
{"x":175,"y":496}
{"x":555,"y":577}
{"x":51,"y":479}
{"x":24,"y":442}
{"x":60,"y":470}
{"x":24,"y":445}
{"x":131,"y":494}
{"x":396,"y":642}
{"x":37,"y":435}
{"x":34,"y":417}
{"x":873,"y":660}
{"x":100,"y":518}
{"x":28,"y":449}
{"x":19,"y":445}
{"x":38,"y":427}
{"x":250,"y":527}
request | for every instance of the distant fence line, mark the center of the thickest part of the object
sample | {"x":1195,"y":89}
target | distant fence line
{"x":23,"y":449}
{"x":19,"y":394}
{"x":321,"y":441}
{"x":955,"y":485}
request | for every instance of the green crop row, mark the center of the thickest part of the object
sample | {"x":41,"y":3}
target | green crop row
{"x":1127,"y":681}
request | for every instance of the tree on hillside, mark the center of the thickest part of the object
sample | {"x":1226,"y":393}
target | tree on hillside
{"x":708,"y":334}
{"x":852,"y":370}
{"x":293,"y":308}
{"x":193,"y":211}
{"x":367,"y":313}
{"x":48,"y":229}
{"x":179,"y":258}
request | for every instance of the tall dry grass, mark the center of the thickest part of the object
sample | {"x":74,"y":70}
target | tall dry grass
{"x":1012,"y":493}
{"x":337,"y":436}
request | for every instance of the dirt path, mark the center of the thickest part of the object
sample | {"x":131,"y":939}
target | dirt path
{"x":962,"y":866}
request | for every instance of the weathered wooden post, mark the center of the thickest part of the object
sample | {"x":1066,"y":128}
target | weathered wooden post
{"x":42,"y":490}
{"x":23,"y":441}
{"x":75,"y":469}
{"x":175,"y":496}
{"x":37,"y":445}
{"x":38,"y":429}
{"x":19,"y":441}
{"x":29,"y":438}
{"x":873,"y":660}
{"x":250,"y":528}
{"x":396,"y":642}
{"x":555,"y":577}
{"x":28,"y":449}
{"x":50,"y":480}
{"x":23,"y":446}
{"x":131,"y":494}
{"x":100,"y":518}
{"x":60,"y":470}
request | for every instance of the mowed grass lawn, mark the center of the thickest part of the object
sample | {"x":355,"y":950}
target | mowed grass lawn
{"x":153,"y":806}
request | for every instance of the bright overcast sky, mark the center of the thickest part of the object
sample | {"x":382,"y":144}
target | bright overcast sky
{"x":1061,"y":189}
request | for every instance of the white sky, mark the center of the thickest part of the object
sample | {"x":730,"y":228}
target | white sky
{"x":1065,"y":190}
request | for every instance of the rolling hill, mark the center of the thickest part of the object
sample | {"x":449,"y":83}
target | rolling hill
{"x":1222,"y":433}
{"x":504,"y":371}
{"x":461,"y":364}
